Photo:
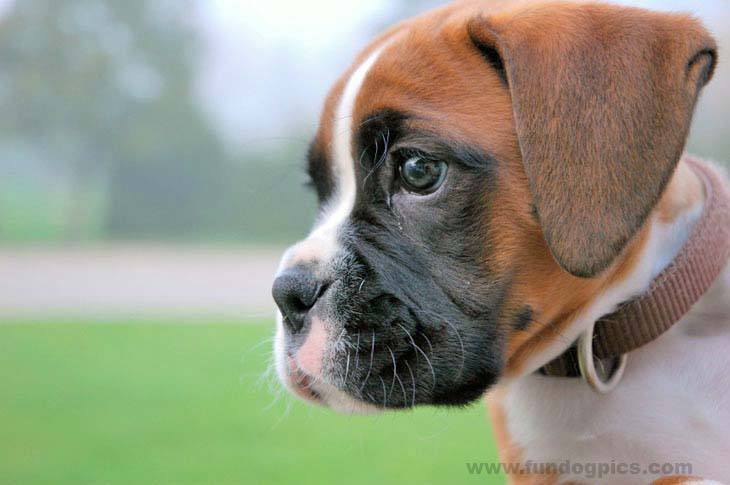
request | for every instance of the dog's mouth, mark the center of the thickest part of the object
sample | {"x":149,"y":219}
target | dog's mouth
{"x":301,"y":383}
{"x":401,"y":367}
{"x":383,"y":337}
{"x":316,"y":388}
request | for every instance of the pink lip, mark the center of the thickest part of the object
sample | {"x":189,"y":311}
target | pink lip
{"x":301,"y":383}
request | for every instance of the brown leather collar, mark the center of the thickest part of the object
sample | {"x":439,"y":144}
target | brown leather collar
{"x":672,"y":294}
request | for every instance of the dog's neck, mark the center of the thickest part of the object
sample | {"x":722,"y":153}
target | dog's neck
{"x":681,"y":375}
{"x":652,"y":250}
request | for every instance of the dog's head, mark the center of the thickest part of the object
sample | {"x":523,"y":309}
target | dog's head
{"x":481,"y":171}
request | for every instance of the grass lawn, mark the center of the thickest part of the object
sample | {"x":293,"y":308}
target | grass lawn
{"x":154,"y":403}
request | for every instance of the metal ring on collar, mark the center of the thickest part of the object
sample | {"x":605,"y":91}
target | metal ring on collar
{"x":587,"y":364}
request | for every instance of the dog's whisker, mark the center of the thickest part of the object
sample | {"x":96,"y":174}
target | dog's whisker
{"x":370,"y":367}
{"x":428,"y":341}
{"x":369,"y":120}
{"x":284,"y":414}
{"x":385,"y":395}
{"x":382,"y":158}
{"x":396,"y":377}
{"x":461,"y":343}
{"x":347,"y":367}
{"x":339,"y":337}
{"x":413,"y":381}
{"x":392,"y":382}
{"x":258,"y":345}
{"x":375,"y":156}
{"x":274,"y":386}
{"x":357,"y":352}
{"x":362,"y":155}
{"x":428,"y":361}
{"x":334,"y":119}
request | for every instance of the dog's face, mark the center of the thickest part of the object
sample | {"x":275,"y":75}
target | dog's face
{"x":467,"y":168}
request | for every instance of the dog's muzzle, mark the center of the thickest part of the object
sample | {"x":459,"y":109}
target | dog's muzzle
{"x":304,"y":343}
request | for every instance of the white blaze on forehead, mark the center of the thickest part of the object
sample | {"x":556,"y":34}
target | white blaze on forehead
{"x":322,"y":243}
{"x":343,"y":164}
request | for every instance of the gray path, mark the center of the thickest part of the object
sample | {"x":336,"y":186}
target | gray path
{"x":136,"y":281}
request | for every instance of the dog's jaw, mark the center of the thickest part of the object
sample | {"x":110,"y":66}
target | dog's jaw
{"x":310,"y":388}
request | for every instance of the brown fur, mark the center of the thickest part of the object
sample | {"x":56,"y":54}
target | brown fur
{"x":603,"y":97}
{"x":676,"y":480}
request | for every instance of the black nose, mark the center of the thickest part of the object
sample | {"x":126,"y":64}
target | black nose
{"x":295,"y":292}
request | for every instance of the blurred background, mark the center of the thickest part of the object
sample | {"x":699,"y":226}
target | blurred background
{"x":151,"y":171}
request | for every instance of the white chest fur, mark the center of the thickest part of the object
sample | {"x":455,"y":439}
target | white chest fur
{"x":672,"y":406}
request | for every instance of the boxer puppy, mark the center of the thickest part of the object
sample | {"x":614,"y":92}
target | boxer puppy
{"x":493,"y":178}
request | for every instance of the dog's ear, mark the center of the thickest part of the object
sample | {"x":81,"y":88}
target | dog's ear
{"x":603,"y":97}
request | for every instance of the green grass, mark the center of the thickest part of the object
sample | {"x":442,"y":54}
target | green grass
{"x":123,"y":403}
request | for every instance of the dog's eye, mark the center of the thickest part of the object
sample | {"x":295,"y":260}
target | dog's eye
{"x":421,"y":175}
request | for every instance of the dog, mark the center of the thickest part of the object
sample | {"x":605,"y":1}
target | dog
{"x":506,"y":210}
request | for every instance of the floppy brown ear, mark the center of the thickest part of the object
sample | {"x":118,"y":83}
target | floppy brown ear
{"x":603,"y":97}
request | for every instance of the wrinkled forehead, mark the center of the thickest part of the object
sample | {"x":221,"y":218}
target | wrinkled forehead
{"x":429,"y":77}
{"x":428,"y":71}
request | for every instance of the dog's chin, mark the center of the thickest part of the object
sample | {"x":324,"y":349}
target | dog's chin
{"x":312,"y":389}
